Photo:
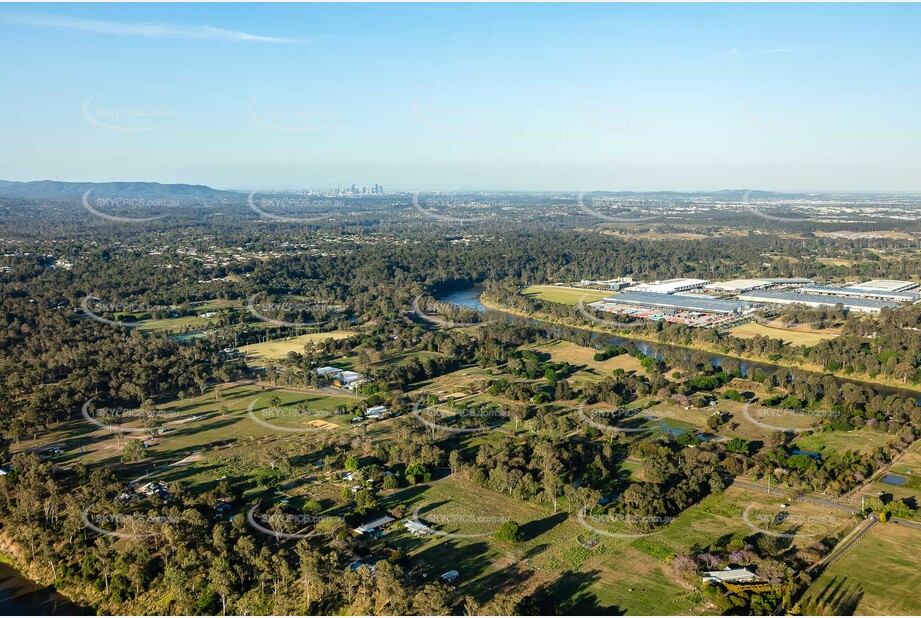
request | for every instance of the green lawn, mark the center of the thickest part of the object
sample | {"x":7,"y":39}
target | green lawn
{"x":186,"y":323}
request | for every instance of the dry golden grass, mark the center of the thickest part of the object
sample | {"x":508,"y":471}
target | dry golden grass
{"x":274,"y":350}
{"x":566,"y":352}
{"x":797,"y":335}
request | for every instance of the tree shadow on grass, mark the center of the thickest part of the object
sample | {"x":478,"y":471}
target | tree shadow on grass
{"x":568,"y":595}
{"x":537,"y":527}
{"x":837,"y":598}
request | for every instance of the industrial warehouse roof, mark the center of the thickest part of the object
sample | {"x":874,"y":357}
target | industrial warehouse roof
{"x":784,"y":280}
{"x":671,"y":301}
{"x":815,"y":300}
{"x":886,"y":285}
{"x":862,"y":293}
{"x":669,"y":286}
{"x":739,"y":285}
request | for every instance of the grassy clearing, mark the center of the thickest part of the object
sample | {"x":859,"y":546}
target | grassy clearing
{"x":834,"y":261}
{"x":737,"y":424}
{"x":260,"y":353}
{"x":189,"y":322}
{"x":797,"y":336}
{"x":175,"y":325}
{"x":877,"y":576}
{"x":564,"y":295}
{"x":571,"y":579}
{"x":197,"y":424}
{"x":722,"y":517}
{"x":583,"y":360}
{"x":862,"y":440}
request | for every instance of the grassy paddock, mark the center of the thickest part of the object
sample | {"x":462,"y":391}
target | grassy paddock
{"x":878,"y":575}
{"x":570,"y":578}
{"x":797,"y":336}
{"x":862,"y":441}
{"x":260,"y":353}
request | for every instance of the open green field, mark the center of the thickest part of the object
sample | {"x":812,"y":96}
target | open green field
{"x":174,"y":325}
{"x":797,"y":336}
{"x":757,"y":424}
{"x":564,"y":295}
{"x":737,"y":513}
{"x":861,"y":440}
{"x":612,"y":577}
{"x":260,"y":353}
{"x":621,"y":574}
{"x":877,"y":576}
{"x":201,"y":425}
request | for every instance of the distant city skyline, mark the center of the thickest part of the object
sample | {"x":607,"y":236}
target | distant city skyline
{"x":637,"y":97}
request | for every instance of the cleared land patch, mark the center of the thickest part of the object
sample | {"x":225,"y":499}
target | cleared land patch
{"x":796,"y":336}
{"x":259,"y":353}
{"x":578,"y":356}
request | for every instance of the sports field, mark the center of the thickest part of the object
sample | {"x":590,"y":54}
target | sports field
{"x":564,"y":295}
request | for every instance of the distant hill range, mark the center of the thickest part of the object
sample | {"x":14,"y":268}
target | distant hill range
{"x":54,"y":190}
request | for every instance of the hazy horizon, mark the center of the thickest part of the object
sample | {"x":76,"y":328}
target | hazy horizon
{"x":787,"y":98}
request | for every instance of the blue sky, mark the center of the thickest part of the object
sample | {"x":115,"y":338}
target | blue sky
{"x":415,"y":96}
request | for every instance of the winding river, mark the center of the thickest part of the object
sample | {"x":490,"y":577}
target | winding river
{"x":469,"y":296}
